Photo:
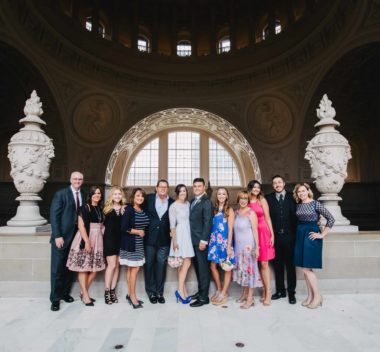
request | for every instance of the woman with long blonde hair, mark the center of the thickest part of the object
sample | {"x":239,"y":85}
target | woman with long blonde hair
{"x":113,"y":211}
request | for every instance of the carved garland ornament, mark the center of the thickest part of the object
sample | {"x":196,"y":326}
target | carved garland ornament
{"x":179,"y":118}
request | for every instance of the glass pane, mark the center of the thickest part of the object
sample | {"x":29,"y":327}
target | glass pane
{"x":144,"y":169}
{"x":222,"y":168}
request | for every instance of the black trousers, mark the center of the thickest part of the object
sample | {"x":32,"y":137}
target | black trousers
{"x":156,"y":259}
{"x":61,"y":278}
{"x":202,"y":270}
{"x":284,"y":247}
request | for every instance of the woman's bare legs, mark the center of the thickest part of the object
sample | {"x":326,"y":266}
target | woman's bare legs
{"x":182,"y":273}
{"x":83,"y":279}
{"x":132,"y":284}
{"x":265,"y":276}
{"x":216,"y":277}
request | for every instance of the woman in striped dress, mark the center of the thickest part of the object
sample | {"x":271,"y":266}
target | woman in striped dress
{"x":133,"y":224}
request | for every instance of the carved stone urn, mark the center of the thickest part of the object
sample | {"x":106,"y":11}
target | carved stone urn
{"x":30,"y":152}
{"x":328,"y":154}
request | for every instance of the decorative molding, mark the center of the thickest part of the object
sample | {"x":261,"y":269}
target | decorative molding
{"x":190,"y":118}
{"x":96,"y":118}
{"x":270,"y":119}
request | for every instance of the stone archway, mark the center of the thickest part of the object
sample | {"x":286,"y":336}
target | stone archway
{"x":136,"y":137}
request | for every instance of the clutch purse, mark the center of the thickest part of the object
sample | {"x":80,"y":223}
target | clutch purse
{"x":175,"y":261}
{"x":226,"y":265}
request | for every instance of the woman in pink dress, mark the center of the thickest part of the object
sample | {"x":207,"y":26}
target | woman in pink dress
{"x":259,"y":205}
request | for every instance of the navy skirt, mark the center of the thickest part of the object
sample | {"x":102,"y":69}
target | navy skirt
{"x":308,"y":253}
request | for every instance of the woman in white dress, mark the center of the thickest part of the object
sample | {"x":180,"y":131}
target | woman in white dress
{"x":181,"y":239}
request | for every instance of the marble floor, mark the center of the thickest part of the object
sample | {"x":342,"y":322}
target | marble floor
{"x":348,"y":323}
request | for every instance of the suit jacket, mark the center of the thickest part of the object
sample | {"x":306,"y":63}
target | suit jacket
{"x":158,"y":231}
{"x":201,"y":216}
{"x":63,"y":215}
{"x":289,"y":221}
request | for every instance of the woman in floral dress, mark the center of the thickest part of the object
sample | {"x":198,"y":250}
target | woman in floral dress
{"x":220,"y":245}
{"x":246,"y":272}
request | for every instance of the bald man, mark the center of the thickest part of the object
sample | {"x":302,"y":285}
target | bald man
{"x":64,"y":224}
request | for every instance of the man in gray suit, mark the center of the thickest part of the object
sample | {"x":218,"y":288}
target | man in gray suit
{"x":201,"y":215}
{"x":64,"y":224}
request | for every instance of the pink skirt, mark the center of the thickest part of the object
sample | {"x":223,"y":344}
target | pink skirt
{"x":81,"y":261}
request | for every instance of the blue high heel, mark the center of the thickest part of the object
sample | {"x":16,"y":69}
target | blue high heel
{"x":179,"y":298}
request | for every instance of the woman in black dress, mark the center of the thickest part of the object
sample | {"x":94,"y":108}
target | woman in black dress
{"x":113,"y":210}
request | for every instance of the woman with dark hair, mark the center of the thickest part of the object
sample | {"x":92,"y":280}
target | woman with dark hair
{"x":259,"y":205}
{"x":133,"y":224}
{"x":181,"y":239}
{"x":309,"y":240}
{"x":220,"y":245}
{"x":86,"y":253}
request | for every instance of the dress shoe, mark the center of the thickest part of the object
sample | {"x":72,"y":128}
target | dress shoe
{"x":316,"y":304}
{"x":195,"y":296}
{"x":153,"y":299}
{"x":68,"y":299}
{"x":292,"y":299}
{"x":54,"y":306}
{"x":200,"y":302}
{"x":161,"y":299}
{"x":130,"y":301}
{"x":278,"y":295}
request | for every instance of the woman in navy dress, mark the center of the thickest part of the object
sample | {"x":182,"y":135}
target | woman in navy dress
{"x":133,"y":225}
{"x":309,"y":240}
{"x":113,"y":210}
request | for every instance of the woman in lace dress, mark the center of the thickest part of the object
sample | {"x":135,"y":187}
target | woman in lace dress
{"x":86,"y":252}
{"x":181,"y":238}
{"x":309,"y":240}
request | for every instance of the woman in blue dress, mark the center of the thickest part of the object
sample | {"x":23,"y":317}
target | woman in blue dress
{"x":220,"y":245}
{"x":309,"y":240}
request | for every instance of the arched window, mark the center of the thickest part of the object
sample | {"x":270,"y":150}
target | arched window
{"x":144,"y":169}
{"x":143,"y":44}
{"x":222,"y":167}
{"x":277,"y":29}
{"x":101,"y":30}
{"x":224,"y":45}
{"x":180,"y":156}
{"x":184,"y":48}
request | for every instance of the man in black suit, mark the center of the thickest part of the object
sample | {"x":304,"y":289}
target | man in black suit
{"x":201,"y":215}
{"x":282,"y":210}
{"x":157,"y":241}
{"x":64,"y":224}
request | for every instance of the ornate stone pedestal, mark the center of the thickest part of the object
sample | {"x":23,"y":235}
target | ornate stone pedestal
{"x":30,"y":152}
{"x":328,"y":153}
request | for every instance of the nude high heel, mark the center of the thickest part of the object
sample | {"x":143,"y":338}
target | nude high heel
{"x":316,"y":304}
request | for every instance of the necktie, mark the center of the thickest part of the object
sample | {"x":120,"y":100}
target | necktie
{"x":281,"y":200}
{"x":193,"y":203}
{"x":77,"y":201}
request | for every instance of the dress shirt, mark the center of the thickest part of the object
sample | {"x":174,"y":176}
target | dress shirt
{"x":75,"y":196}
{"x":196,"y":200}
{"x":161,"y":205}
{"x":279,"y":193}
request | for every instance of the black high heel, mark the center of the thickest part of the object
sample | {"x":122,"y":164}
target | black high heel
{"x":130,"y":301}
{"x":81,"y":298}
{"x":113,"y":296}
{"x":107,"y":297}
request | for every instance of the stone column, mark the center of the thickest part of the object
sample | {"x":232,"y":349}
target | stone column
{"x":328,"y":154}
{"x":30,"y":152}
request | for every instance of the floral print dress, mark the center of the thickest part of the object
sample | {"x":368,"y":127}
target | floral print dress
{"x":246,"y":272}
{"x":217,"y":249}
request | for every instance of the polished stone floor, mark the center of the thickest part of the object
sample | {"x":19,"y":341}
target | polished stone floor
{"x":346,"y":323}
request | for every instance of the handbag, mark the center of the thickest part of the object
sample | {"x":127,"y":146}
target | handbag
{"x":226,"y":265}
{"x":175,"y":261}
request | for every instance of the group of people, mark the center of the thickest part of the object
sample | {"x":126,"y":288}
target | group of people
{"x":222,"y":243}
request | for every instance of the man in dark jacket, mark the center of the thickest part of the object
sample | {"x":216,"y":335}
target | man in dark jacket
{"x":282,"y":210}
{"x":64,"y":224}
{"x":157,"y":241}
